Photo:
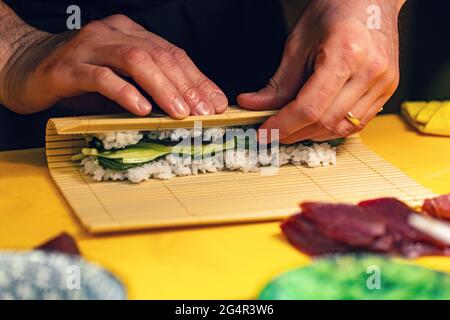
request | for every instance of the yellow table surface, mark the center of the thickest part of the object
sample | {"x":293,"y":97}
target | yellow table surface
{"x":220,"y":262}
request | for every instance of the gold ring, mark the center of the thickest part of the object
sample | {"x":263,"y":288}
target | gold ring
{"x":354,"y":120}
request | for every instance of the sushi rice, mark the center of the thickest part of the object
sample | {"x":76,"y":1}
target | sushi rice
{"x":171,"y":165}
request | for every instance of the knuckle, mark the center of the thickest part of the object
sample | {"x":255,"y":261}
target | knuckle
{"x":285,"y":132}
{"x":378,"y":67}
{"x":327,"y":126}
{"x":204,"y":83}
{"x":120,"y":18}
{"x":275,"y":83}
{"x":323,"y":94}
{"x":163,"y":57}
{"x":93,"y":27}
{"x":189,"y":92}
{"x":342,"y":68}
{"x":179,"y":54}
{"x":280,"y":90}
{"x":352,"y":55}
{"x":345,"y":131}
{"x":127,"y":91}
{"x":352,"y":50}
{"x":310,"y":113}
{"x":103,"y":74}
{"x":134,"y":56}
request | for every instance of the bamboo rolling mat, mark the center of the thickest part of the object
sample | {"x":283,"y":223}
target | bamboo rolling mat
{"x":214,"y":198}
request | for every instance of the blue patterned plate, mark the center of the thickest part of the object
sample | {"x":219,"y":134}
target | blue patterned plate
{"x":37,"y":275}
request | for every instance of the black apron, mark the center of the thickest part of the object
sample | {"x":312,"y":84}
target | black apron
{"x":236,"y":43}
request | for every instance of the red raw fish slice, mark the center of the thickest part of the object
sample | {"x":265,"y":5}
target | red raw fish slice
{"x":304,"y":236}
{"x":379,"y":225}
{"x":438,"y":207}
{"x":384,"y":244}
{"x":395,"y":215}
{"x":349,"y":224}
{"x":419,"y":249}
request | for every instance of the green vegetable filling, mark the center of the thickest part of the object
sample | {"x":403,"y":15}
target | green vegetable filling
{"x":145,"y":152}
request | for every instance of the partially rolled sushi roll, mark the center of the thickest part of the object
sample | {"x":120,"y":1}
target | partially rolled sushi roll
{"x":163,"y":154}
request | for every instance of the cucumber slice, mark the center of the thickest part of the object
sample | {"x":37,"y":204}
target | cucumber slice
{"x":78,"y":157}
{"x":89,"y":152}
{"x":128,"y":155}
{"x":153,"y":146}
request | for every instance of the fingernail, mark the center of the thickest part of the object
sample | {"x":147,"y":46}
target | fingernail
{"x":203,"y":108}
{"x":219,"y":101}
{"x":181,"y":107}
{"x":144,"y":106}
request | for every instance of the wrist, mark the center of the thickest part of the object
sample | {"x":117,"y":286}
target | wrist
{"x":395,"y":5}
{"x":12,"y":49}
{"x":389,"y":10}
{"x":15,"y":38}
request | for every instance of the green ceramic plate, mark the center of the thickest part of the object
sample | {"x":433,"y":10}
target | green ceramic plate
{"x":350,"y":277}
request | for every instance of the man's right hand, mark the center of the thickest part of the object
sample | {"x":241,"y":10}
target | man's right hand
{"x":99,"y":58}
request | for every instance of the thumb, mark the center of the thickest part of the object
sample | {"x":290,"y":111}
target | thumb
{"x":281,"y":88}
